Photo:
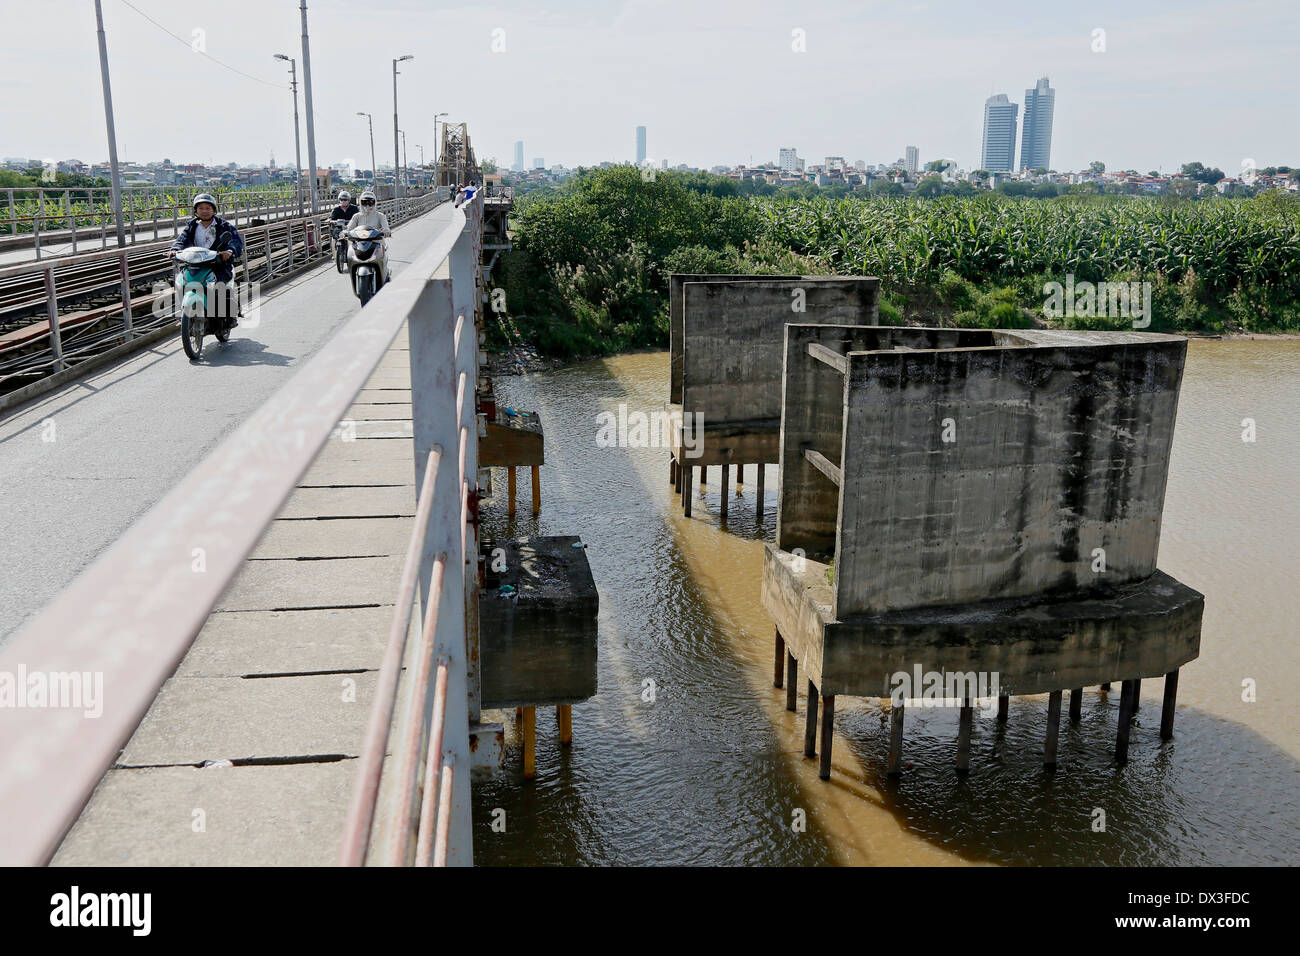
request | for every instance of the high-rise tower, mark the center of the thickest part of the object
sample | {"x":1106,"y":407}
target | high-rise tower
{"x":1036,"y":140}
{"x":999,"y":153}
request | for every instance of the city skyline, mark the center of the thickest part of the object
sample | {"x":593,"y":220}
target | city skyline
{"x":1164,"y":90}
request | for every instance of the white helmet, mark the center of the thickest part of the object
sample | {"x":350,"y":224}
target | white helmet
{"x":368,"y":194}
{"x":207,"y":198}
{"x":345,"y":195}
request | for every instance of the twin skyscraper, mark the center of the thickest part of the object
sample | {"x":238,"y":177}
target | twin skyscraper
{"x":999,"y":152}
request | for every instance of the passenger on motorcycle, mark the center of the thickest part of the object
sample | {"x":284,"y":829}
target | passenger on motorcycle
{"x":346,"y":209}
{"x":209,"y":230}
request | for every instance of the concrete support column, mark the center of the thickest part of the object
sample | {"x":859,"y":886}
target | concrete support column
{"x":810,"y":726}
{"x":828,"y":735}
{"x":1053,"y":728}
{"x":895,"y":765}
{"x":963,"y":737}
{"x":1128,"y":690}
{"x":1167,"y":708}
{"x":791,"y":682}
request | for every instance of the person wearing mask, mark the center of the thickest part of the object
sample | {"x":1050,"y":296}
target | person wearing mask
{"x":371,"y":218}
{"x":346,"y":208}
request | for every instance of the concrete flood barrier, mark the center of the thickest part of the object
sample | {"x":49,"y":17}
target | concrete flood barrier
{"x":976,"y":509}
{"x":726,"y":335}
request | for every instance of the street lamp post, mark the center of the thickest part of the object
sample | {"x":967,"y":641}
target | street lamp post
{"x":406,"y":170}
{"x":112,"y":132}
{"x":374,"y":170}
{"x":297,"y":149}
{"x":311,"y":124}
{"x":397,"y":179}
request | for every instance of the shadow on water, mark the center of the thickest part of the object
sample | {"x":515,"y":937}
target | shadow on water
{"x":1217,"y":794}
{"x":712,"y":770}
{"x":694,"y":777}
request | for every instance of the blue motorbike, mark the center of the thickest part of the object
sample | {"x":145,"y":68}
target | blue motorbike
{"x":205,"y":307}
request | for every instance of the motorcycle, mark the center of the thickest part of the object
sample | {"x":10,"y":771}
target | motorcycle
{"x":366,"y":262}
{"x":337,"y":226}
{"x":200,"y":311}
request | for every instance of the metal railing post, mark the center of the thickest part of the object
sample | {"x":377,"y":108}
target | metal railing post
{"x":52,"y":311}
{"x":36,"y":222}
{"x":125,"y":270}
{"x":431,"y":330}
{"x":71,"y":221}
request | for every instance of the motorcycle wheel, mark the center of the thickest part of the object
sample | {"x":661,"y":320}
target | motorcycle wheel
{"x":365,"y":288}
{"x":192,"y":335}
{"x":340,"y":261}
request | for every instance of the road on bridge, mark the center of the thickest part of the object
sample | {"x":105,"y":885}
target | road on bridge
{"x":80,"y":464}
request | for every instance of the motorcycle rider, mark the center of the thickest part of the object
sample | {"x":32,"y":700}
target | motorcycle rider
{"x":345,"y":210}
{"x":371,"y":218}
{"x":369,"y":215}
{"x":208,"y":230}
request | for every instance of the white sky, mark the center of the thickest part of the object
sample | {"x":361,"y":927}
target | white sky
{"x":715,"y":82}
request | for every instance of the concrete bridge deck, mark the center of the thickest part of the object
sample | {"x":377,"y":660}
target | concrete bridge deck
{"x":279,"y":682}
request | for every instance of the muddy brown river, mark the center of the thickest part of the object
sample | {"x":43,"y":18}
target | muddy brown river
{"x":712,"y":770}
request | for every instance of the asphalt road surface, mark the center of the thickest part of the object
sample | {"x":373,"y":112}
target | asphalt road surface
{"x":79,"y":464}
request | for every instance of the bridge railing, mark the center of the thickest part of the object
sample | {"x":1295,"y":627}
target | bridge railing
{"x":128,"y":620}
{"x":42,"y":348}
{"x":71,"y":216}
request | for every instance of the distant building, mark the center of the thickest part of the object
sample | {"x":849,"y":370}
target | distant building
{"x":519,"y":156}
{"x":1036,"y":140}
{"x":640,"y":145}
{"x":999,"y":152}
{"x":913,"y":159}
{"x":539,"y":163}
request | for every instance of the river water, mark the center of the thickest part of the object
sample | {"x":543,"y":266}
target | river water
{"x":712,"y":771}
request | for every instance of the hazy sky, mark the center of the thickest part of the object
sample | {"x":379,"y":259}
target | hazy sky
{"x":715,"y":82}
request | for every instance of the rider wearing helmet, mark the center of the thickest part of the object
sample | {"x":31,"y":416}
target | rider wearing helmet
{"x":210,"y":231}
{"x":370,"y":216}
{"x":346,"y":209}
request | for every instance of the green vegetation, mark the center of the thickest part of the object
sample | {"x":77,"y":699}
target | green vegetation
{"x":591,"y":262}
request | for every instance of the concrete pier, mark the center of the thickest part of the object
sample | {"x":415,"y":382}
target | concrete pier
{"x":725,"y":362}
{"x":990,"y":504}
